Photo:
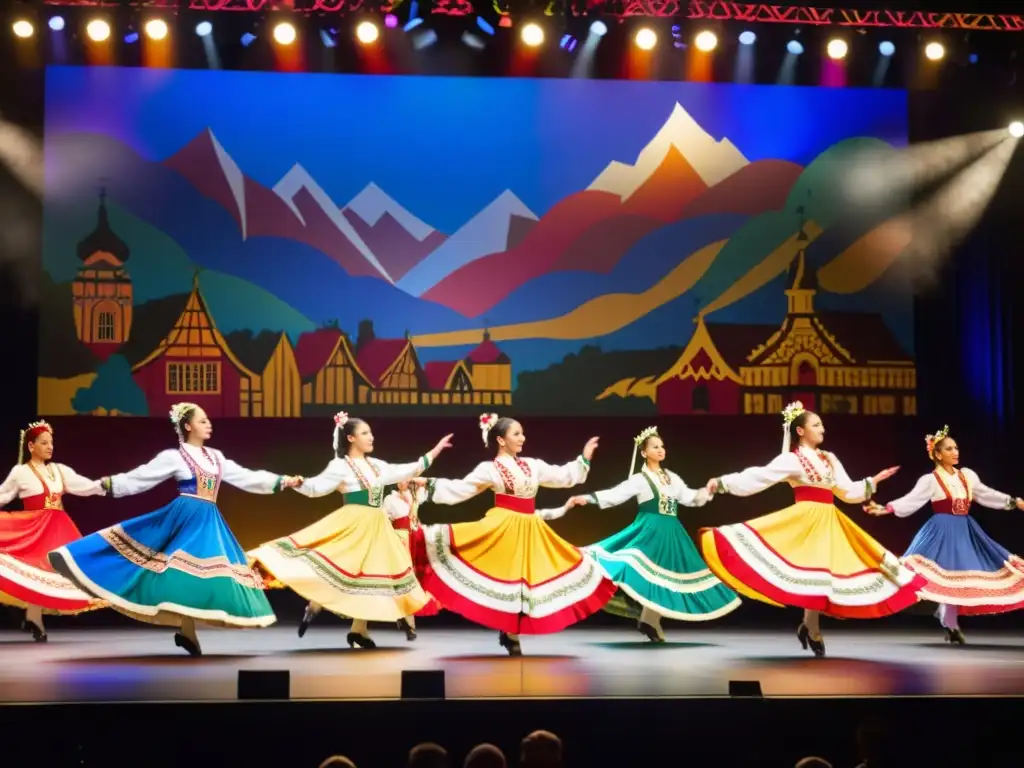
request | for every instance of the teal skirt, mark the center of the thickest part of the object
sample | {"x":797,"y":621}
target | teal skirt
{"x":655,"y":565}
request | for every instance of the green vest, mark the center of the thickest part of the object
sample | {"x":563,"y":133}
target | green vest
{"x":660,"y":504}
{"x":371,"y":497}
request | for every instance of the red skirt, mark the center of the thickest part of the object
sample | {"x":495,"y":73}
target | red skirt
{"x":433,"y":607}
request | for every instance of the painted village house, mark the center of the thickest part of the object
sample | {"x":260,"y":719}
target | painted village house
{"x":834,"y":362}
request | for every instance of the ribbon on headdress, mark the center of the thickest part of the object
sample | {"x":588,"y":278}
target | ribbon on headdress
{"x":789,"y":415}
{"x":487,"y":422}
{"x":340,"y":419}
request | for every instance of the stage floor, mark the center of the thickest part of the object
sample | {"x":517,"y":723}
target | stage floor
{"x":142,"y":664}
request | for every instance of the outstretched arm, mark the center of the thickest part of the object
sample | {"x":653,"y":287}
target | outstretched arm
{"x":850,"y":491}
{"x":9,"y":488}
{"x":756,"y":479}
{"x":628,"y":489}
{"x":688,"y":496}
{"x":141,"y":479}
{"x":443,"y":491}
{"x":334,"y":474}
{"x":250,"y":480}
{"x":989,"y":497}
{"x":564,"y":476}
{"x":77,"y":485}
{"x":392,"y":474}
{"x":907,"y":505}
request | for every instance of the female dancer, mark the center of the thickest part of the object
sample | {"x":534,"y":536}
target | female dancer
{"x":967,"y":572}
{"x":26,"y":578}
{"x":809,"y":555}
{"x":402,"y":508}
{"x":181,"y":563}
{"x":510,"y":571}
{"x":351,"y":562}
{"x":653,"y":562}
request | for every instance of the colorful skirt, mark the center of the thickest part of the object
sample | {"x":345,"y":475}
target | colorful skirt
{"x":181,"y":560}
{"x":350,"y":562}
{"x":964,"y":567}
{"x":26,"y":578}
{"x":655,"y":565}
{"x":433,"y":606}
{"x":811,"y":556}
{"x":510,"y":571}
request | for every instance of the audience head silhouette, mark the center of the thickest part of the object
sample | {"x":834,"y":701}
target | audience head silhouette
{"x":485,"y":756}
{"x":337,"y":761}
{"x":427,"y":755}
{"x":541,"y":749}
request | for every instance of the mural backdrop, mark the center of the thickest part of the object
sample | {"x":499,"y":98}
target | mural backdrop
{"x":275,"y":245}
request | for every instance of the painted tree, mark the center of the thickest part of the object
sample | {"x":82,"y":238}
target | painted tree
{"x":113,"y":392}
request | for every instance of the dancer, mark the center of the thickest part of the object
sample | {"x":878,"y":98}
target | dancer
{"x":809,"y":555}
{"x":351,"y":562}
{"x":653,"y":562}
{"x":402,"y":508}
{"x":26,"y":578}
{"x":180,"y":564}
{"x":968,"y":573}
{"x":510,"y":571}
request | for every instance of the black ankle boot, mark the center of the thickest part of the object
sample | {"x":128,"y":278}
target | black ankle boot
{"x":510,"y":645}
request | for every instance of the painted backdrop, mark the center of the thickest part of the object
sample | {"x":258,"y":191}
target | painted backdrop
{"x":275,"y":245}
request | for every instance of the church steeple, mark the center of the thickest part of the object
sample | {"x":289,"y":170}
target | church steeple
{"x":802,"y":283}
{"x":102,"y":239}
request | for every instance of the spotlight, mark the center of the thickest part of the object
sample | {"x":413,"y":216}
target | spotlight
{"x":156,"y":29}
{"x":248,"y":39}
{"x":645,"y":39}
{"x":935,"y":51}
{"x":747,"y":38}
{"x":886,"y":48}
{"x":706,"y":41}
{"x":973,"y":58}
{"x":599,"y":29}
{"x":57,"y":23}
{"x":794,"y":47}
{"x":391,"y":21}
{"x":1017,"y":129}
{"x":204,"y":29}
{"x":284,"y":33}
{"x":98,"y":30}
{"x":837,"y":49}
{"x":532,"y":35}
{"x":131,"y":38}
{"x":367,"y":32}
{"x":23,"y":29}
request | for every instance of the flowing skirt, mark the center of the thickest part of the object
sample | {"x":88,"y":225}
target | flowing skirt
{"x":655,"y":565}
{"x":26,"y":578}
{"x":965,"y":568}
{"x":181,"y":560}
{"x":510,"y":572}
{"x":812,"y":556}
{"x":433,"y":606}
{"x":351,"y":562}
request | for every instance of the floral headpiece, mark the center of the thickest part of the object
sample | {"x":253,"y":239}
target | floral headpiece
{"x":637,"y":442}
{"x":487,"y":422}
{"x":932,"y":440}
{"x":340,"y":420}
{"x":31,"y":432}
{"x":177,"y":413}
{"x":790,"y":414}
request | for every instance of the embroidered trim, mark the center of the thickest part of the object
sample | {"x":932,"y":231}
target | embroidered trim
{"x":51,"y":500}
{"x":508,"y":479}
{"x":207,"y":485}
{"x":374,"y":492}
{"x":958,"y":506}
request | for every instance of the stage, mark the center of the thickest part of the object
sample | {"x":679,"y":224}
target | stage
{"x":142,"y":664}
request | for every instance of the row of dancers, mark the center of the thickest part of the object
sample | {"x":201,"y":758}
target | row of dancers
{"x":373,"y":560}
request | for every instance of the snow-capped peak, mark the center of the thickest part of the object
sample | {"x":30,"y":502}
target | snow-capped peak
{"x":234,"y":176}
{"x":373,"y":202}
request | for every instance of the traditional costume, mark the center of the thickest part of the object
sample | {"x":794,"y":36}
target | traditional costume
{"x":26,"y":537}
{"x":653,"y":562}
{"x":402,"y":509}
{"x":349,"y":562}
{"x":181,"y":560}
{"x":510,"y":571}
{"x":967,"y":572}
{"x":808,"y":555}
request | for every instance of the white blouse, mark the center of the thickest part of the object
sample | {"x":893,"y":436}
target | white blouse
{"x":927,"y":489}
{"x":802,"y":467}
{"x":347,"y":475}
{"x":22,"y":482}
{"x":397,"y":505}
{"x":171,"y":464}
{"x":637,"y":487}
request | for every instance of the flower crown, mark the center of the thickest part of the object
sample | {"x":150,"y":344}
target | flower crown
{"x":791,"y":412}
{"x":340,"y":420}
{"x":932,"y":440}
{"x":487,"y":422}
{"x":177,"y":412}
{"x":649,"y":432}
{"x":34,"y":428}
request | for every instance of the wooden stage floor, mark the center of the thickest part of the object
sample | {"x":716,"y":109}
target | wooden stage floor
{"x":142,"y":664}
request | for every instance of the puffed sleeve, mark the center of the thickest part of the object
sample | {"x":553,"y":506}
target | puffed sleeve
{"x":9,"y":488}
{"x":395,"y":507}
{"x":988,"y":497}
{"x":250,"y":480}
{"x":756,"y":479}
{"x":850,"y":491}
{"x":77,"y":485}
{"x":443,"y":491}
{"x":334,"y":474}
{"x":162,"y":467}
{"x":391,"y":474}
{"x":628,"y":489}
{"x":687,"y":496}
{"x":919,"y":495}
{"x":564,"y":476}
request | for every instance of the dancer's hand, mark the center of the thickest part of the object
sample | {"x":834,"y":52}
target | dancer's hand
{"x":444,"y":442}
{"x":1020,"y":504}
{"x":876,"y":509}
{"x":589,"y":448}
{"x":292,"y":481}
{"x":577,"y":501}
{"x":712,"y":486}
{"x":419,"y":482}
{"x":885,"y":474}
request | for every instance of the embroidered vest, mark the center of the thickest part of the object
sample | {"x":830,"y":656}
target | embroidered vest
{"x":47,"y":499}
{"x":203,"y":484}
{"x":369,"y":494}
{"x":660,"y":504}
{"x":949,"y":505}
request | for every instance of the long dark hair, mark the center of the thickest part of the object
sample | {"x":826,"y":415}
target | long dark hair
{"x":799,"y":421}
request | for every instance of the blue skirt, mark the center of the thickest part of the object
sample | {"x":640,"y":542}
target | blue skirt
{"x":181,"y":560}
{"x":964,"y":567}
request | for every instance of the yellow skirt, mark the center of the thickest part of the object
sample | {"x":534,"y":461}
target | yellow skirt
{"x":351,"y":562}
{"x":812,"y":556}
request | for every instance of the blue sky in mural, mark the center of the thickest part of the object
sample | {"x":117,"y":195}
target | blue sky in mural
{"x":446,"y":147}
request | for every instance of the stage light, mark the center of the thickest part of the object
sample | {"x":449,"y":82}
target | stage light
{"x":886,"y":48}
{"x":204,"y":29}
{"x":599,"y":29}
{"x":57,"y":23}
{"x":98,"y":30}
{"x":248,"y":39}
{"x":1017,"y":129}
{"x":935,"y":51}
{"x":284,"y":33}
{"x":23,"y":29}
{"x":645,"y":39}
{"x":156,"y":29}
{"x":706,"y":41}
{"x":367,"y":32}
{"x":837,"y":49}
{"x":747,"y":38}
{"x":794,"y":47}
{"x":532,"y":34}
{"x":391,"y":21}
{"x":973,"y":58}
{"x":131,"y":37}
